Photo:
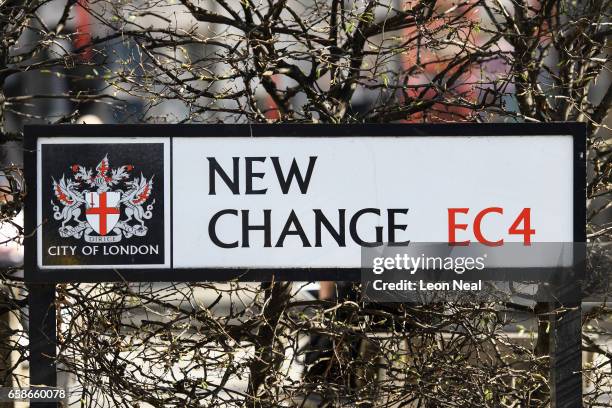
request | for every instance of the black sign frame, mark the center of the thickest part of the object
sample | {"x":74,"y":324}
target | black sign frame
{"x":34,"y":274}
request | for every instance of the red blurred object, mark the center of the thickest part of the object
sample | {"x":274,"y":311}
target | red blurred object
{"x":433,"y":63}
{"x":82,"y":37}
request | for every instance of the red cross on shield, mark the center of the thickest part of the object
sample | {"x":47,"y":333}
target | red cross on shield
{"x":102,"y":211}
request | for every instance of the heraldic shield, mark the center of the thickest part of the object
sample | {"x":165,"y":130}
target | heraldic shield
{"x":102,"y":210}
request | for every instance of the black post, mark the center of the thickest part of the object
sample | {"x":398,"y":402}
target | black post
{"x":42,"y":332}
{"x":566,"y":342}
{"x":566,"y":361}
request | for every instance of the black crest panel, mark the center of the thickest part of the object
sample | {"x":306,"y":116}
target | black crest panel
{"x":102,"y":204}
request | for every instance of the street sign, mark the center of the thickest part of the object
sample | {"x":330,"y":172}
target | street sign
{"x":297,"y":202}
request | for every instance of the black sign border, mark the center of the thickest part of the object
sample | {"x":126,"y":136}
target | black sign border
{"x":34,"y":274}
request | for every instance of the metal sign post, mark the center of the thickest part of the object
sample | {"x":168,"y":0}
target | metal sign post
{"x":43,"y":340}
